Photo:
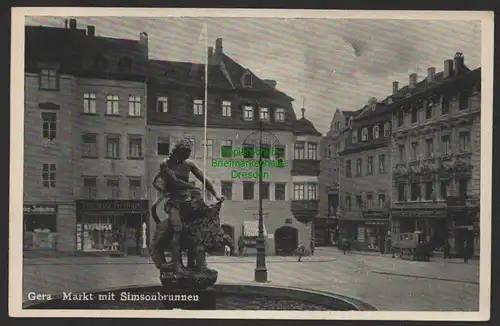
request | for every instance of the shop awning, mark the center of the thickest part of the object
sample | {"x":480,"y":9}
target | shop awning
{"x":251,"y":229}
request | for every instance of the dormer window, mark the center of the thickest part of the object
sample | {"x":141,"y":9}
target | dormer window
{"x":264,"y":114}
{"x":279,"y":115}
{"x":100,"y":63}
{"x":376,"y":132}
{"x":247,"y":80}
{"x":248,"y":113}
{"x":364,"y":134}
{"x":125,"y":65}
{"x":198,"y":107}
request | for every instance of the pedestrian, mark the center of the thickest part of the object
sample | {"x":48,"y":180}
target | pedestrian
{"x":301,"y":251}
{"x":227,"y":250}
{"x":346,"y":246}
{"x":466,"y":252}
{"x":447,"y":248}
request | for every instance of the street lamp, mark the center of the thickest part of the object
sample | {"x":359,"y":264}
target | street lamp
{"x":260,"y":269}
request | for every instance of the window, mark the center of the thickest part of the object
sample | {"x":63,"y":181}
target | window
{"x":464,"y":141}
{"x":248,"y":151}
{"x":364,"y":134}
{"x":163,"y":146}
{"x":415,"y":191}
{"x":298,"y":191}
{"x":445,"y":144}
{"x":264,"y":114}
{"x":113,"y":146}
{"x":162,"y":104}
{"x":226,"y":108}
{"x":112,"y":105}
{"x":429,"y":147}
{"x":348,"y":205}
{"x":135,"y":147}
{"x":348,"y":169}
{"x":90,"y":145}
{"x":428,"y":190}
{"x":359,"y":167}
{"x":279,"y":152}
{"x":210,"y":147}
{"x":279,"y":115}
{"x":387,"y":129}
{"x":300,"y":150}
{"x":49,"y":175}
{"x":279,"y":191}
{"x":226,"y":148}
{"x":227,"y":189}
{"x":414,"y":150}
{"x":370,"y":165}
{"x":265,"y":151}
{"x":48,"y":79}
{"x":198,"y":107}
{"x":359,"y":201}
{"x":414,"y":114}
{"x":462,"y":188}
{"x":248,"y":113}
{"x":354,"y":136}
{"x":113,"y":188}
{"x":444,"y":189}
{"x":264,"y":190}
{"x":49,"y":125}
{"x":89,"y":187}
{"x":381,"y":200}
{"x":428,"y":110}
{"x":401,"y":192}
{"x":369,"y":201}
{"x":401,"y":118}
{"x":89,"y":103}
{"x":463,"y":100}
{"x":247,"y":80}
{"x":401,"y":149}
{"x":312,"y":151}
{"x":134,"y":187}
{"x":248,"y":190}
{"x":445,"y":105}
{"x":312,"y":193}
{"x":134,"y":106}
{"x":381,"y":163}
{"x":376,"y":132}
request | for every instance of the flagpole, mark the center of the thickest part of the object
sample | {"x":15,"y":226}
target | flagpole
{"x":206,"y":105}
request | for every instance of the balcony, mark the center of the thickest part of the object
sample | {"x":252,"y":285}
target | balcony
{"x":305,"y":167}
{"x":304,"y":210}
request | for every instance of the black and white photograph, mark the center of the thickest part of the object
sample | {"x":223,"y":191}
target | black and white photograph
{"x":251,"y":164}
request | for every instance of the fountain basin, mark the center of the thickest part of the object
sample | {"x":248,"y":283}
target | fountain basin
{"x":228,"y":297}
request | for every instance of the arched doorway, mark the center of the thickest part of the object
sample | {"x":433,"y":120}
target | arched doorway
{"x":286,"y":240}
{"x":229,"y":230}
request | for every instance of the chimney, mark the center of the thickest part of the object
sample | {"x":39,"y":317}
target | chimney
{"x":218,"y":45}
{"x":210,"y":51}
{"x":448,"y":68}
{"x":143,"y":40}
{"x":431,"y":75}
{"x":458,"y":62}
{"x":72,"y":23}
{"x":270,"y":82}
{"x":395,"y":87}
{"x":413,"y":81}
{"x":91,"y":30}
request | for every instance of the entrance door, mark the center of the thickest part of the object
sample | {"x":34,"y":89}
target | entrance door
{"x":286,"y":240}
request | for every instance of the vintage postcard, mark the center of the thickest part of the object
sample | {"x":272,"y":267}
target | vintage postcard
{"x":277,"y":164}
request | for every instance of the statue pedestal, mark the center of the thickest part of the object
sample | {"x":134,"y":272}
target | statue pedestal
{"x":192,"y":291}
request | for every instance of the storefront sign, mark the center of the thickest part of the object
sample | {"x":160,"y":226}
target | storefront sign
{"x":112,"y":205}
{"x":372,"y":213}
{"x":40,"y":209}
{"x":419,"y":212}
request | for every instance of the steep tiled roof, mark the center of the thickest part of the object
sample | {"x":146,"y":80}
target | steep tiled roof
{"x":305,"y":127}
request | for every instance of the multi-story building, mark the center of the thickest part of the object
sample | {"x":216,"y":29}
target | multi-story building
{"x":238,"y":102}
{"x":85,"y":158}
{"x":326,"y":223}
{"x":436,"y":156}
{"x":365,"y":182}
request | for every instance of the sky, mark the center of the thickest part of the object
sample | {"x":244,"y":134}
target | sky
{"x":324,"y":64}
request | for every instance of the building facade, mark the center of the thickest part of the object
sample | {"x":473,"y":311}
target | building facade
{"x":365,"y":179}
{"x":436,"y":157}
{"x":87,"y":194}
{"x":238,"y":102}
{"x":326,"y":223}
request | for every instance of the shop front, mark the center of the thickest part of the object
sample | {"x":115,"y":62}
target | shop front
{"x":325,"y":231}
{"x":465,"y":227}
{"x":111,"y":226}
{"x":40,"y":227}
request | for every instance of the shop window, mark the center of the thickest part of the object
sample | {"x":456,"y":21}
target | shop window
{"x":40,"y":231}
{"x":100,"y":233}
